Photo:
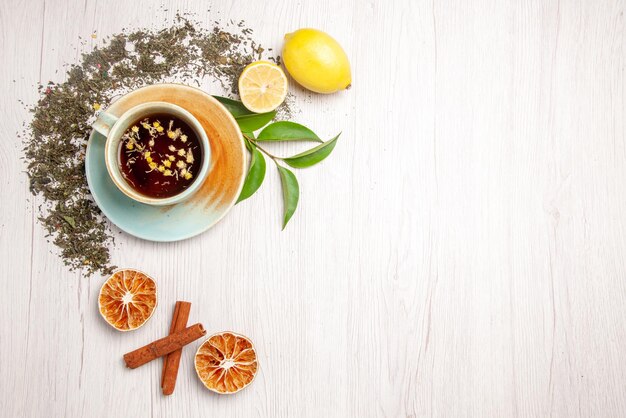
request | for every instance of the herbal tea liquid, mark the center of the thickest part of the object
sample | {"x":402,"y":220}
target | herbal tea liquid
{"x":160,"y":155}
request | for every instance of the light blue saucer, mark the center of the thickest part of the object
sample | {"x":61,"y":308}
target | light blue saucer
{"x":183,"y":220}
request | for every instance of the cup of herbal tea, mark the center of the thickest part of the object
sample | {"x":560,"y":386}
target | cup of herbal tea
{"x":156,"y":153}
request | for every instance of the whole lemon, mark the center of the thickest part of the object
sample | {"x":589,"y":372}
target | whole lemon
{"x":316,"y":61}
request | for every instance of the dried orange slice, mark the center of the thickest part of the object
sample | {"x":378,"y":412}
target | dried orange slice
{"x":226,"y":362}
{"x":127,"y":299}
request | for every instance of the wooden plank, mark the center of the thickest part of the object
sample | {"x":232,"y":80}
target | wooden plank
{"x":459,"y":254}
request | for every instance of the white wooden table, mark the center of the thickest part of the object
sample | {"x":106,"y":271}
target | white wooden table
{"x":461,"y":253}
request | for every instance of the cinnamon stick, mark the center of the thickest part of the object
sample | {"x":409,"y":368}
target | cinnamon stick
{"x":172,"y":325}
{"x":164,"y":346}
{"x":171,"y":362}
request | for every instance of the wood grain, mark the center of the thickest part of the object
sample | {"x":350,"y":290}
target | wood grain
{"x":461,"y":253}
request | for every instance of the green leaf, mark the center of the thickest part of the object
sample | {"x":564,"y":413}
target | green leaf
{"x":247,"y":135}
{"x":291,"y":193}
{"x":235,"y":107}
{"x":254,"y":121}
{"x":312,"y":156}
{"x":255,"y":175}
{"x":287,"y":131}
{"x":70,"y":220}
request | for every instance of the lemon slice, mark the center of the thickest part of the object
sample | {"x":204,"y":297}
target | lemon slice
{"x":262,"y":86}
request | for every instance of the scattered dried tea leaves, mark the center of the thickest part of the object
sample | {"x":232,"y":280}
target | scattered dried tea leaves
{"x":56,"y":139}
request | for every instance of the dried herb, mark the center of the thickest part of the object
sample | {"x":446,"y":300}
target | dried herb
{"x":57,"y":136}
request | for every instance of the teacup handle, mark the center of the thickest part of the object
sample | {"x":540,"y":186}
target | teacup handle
{"x":104,"y":123}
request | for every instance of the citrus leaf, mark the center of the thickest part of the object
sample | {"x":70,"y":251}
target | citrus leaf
{"x":235,"y":107}
{"x":253,"y":121}
{"x":291,"y":193}
{"x":287,"y":131}
{"x":312,"y":156}
{"x":255,"y":176}
{"x":247,"y":135}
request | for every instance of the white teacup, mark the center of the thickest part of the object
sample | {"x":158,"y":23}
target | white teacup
{"x":114,"y":127}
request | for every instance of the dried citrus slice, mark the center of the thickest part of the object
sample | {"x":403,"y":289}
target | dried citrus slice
{"x":127,"y":299}
{"x":226,"y":362}
{"x":262,"y":86}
